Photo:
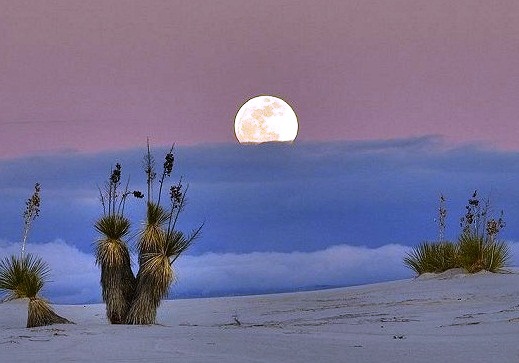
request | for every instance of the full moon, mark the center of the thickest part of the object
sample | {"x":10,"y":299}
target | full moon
{"x":265,"y":119}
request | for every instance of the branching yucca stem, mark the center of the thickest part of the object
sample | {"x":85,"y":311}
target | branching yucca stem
{"x":164,"y":174}
{"x":122,"y":202}
{"x":179,"y":209}
{"x":442,"y":215}
{"x":110,"y":195}
{"x":102,"y":200}
{"x":148,"y":160}
{"x":32,"y":211}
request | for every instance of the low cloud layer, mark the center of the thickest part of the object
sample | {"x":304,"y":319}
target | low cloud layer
{"x":75,"y":278}
{"x":276,"y":197}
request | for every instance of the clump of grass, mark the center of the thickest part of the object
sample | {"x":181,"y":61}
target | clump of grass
{"x":477,"y":253}
{"x":476,"y":249}
{"x":433,"y":257}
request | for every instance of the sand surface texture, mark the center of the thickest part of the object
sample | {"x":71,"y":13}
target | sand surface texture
{"x":446,"y":318}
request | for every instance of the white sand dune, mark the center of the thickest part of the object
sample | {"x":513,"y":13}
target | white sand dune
{"x":446,"y":318}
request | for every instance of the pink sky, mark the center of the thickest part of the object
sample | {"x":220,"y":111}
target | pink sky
{"x":98,"y":75}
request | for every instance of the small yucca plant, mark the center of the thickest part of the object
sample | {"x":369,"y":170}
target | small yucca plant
{"x":432,"y":257}
{"x":477,"y":253}
{"x":24,"y":277}
{"x":41,"y":314}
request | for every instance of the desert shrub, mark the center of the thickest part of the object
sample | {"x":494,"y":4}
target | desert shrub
{"x":477,"y":253}
{"x":476,"y":249}
{"x":432,"y":257}
{"x":25,"y":276}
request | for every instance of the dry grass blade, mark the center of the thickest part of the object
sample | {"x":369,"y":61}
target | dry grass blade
{"x":153,"y":281}
{"x":112,"y":253}
{"x":41,"y":314}
{"x":113,"y":226}
{"x":152,"y":236}
{"x":177,"y":243}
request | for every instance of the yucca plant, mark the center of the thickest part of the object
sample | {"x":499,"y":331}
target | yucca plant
{"x":24,"y":277}
{"x":111,"y":250}
{"x":477,"y":253}
{"x":479,"y":247}
{"x":159,"y":244}
{"x":135,"y":300}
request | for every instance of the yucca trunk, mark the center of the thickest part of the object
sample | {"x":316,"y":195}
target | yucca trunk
{"x":155,"y":272}
{"x":41,"y":314}
{"x":153,"y":281}
{"x":117,"y":280}
{"x":113,"y":256}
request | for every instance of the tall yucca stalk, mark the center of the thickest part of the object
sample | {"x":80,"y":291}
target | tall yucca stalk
{"x":24,"y":277}
{"x":32,"y":210}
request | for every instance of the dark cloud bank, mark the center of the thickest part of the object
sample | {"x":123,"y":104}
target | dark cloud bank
{"x":277,"y":216}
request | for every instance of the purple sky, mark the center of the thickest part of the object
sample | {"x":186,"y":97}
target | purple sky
{"x":101,"y":75}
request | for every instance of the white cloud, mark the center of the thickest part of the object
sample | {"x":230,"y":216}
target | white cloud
{"x":261,"y":271}
{"x":74,"y":277}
